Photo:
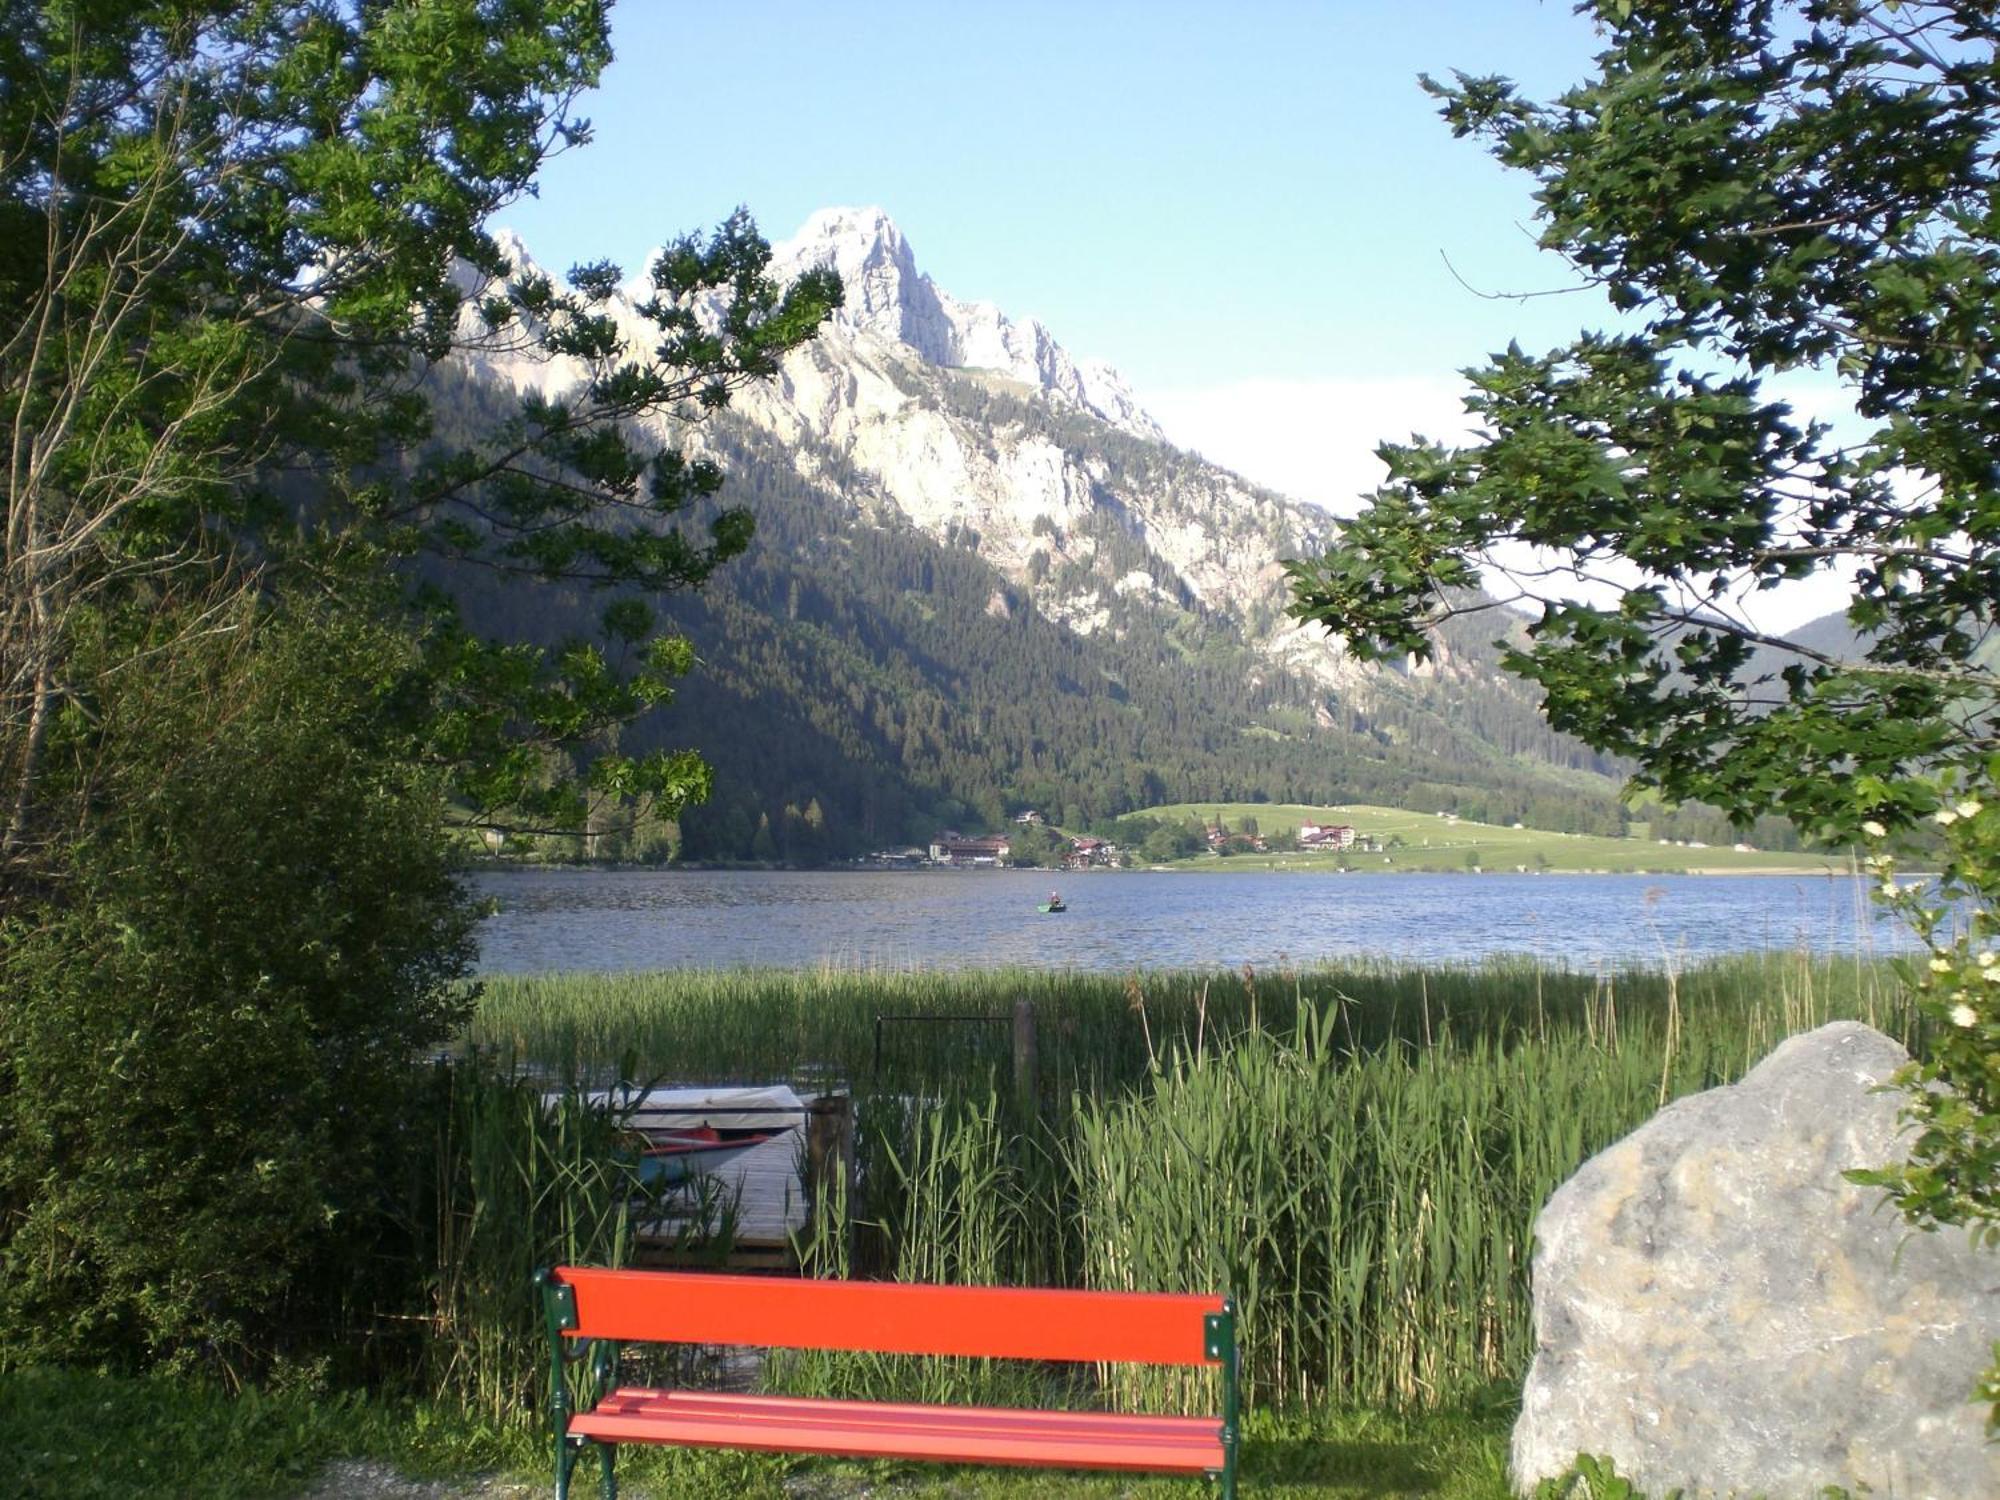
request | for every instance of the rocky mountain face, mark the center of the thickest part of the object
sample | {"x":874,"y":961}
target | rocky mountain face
{"x":888,"y":297}
{"x":954,"y":425}
{"x":983,"y":431}
{"x":981,"y":428}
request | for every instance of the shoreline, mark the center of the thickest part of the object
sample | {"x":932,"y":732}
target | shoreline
{"x":1251,"y":865}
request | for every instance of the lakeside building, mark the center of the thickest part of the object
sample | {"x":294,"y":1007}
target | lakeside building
{"x":1326,"y":836}
{"x":956,"y":849}
{"x":1222,"y":841}
{"x":1087,"y":853}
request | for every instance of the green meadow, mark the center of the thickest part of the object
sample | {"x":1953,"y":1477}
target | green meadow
{"x":1415,"y":841}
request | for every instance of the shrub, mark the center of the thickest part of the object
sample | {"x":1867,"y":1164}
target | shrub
{"x":214,"y":1005}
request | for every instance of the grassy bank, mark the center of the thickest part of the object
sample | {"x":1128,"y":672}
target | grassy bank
{"x":79,"y":1435}
{"x":1414,"y":841}
{"x":1356,"y":1152}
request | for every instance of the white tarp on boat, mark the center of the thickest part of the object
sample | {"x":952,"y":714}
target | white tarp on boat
{"x":771,"y":1107}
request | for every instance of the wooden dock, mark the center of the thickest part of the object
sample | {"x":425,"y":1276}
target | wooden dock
{"x":769,"y":1190}
{"x":767,"y":1187}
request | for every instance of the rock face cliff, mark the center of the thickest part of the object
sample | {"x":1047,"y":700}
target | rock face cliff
{"x":888,"y":297}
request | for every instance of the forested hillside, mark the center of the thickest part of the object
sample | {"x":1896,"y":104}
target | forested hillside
{"x":862,"y":683}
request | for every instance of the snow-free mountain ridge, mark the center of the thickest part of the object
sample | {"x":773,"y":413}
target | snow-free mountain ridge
{"x":888,"y":296}
{"x":981,"y":428}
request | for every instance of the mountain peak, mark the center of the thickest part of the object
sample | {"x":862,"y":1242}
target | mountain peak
{"x":859,"y":243}
{"x":886,"y":294}
{"x":889,"y":297}
{"x":837,"y":229}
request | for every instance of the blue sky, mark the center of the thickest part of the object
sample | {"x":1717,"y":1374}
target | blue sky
{"x":1251,"y":209}
{"x":1197,"y":193}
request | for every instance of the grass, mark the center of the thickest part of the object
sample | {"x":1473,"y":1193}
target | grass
{"x":1439,"y":843}
{"x":85,"y":1435}
{"x":1098,"y":1032}
{"x":78,"y":1435}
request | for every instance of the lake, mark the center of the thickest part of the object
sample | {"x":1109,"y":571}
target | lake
{"x":974,"y":919}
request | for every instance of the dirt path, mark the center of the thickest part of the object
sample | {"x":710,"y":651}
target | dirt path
{"x":366,"y":1479}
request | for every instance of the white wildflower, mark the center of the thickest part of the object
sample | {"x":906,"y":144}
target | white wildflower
{"x":1969,"y":808}
{"x":1940,"y":966}
{"x":1874,"y":830}
{"x":1988,"y":959}
{"x":1963,"y":1015}
{"x":1945,"y":816}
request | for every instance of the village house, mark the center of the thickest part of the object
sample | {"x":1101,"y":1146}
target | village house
{"x":1089,"y":854}
{"x":1029,"y":816}
{"x":957,"y":849}
{"x":1326,"y":836}
{"x":1222,"y":841}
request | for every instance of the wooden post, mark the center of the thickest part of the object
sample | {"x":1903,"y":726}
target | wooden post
{"x":1025,"y":1095}
{"x":829,"y":1151}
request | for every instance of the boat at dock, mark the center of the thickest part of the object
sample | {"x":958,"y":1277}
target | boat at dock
{"x":670,"y":1156}
{"x":682,"y":1133}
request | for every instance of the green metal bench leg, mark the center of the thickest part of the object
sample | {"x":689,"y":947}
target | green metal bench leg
{"x":559,"y":1313}
{"x":1231,"y":1402}
{"x":603,"y":1370}
{"x":565,"y":1463}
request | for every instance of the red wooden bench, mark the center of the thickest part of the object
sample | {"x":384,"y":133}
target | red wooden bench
{"x":591,"y":1312}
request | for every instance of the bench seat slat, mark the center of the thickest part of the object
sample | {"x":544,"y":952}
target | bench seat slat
{"x":638,"y":1400}
{"x":693,"y":1307}
{"x":861,"y":1429}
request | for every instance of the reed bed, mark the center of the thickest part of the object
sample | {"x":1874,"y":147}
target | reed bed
{"x":1356,"y":1153}
{"x":1371,"y":1215}
{"x":520,"y":1177}
{"x":1099,"y":1031}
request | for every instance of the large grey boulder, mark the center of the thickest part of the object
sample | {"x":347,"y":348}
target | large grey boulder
{"x":1718,"y":1310}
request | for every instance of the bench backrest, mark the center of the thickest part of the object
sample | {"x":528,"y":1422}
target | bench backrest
{"x":691,"y":1307}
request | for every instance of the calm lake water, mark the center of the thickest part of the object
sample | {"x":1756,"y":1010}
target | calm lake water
{"x":941,"y":919}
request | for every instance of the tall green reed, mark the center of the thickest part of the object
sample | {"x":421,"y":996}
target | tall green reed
{"x":1355,"y":1152}
{"x":1371,"y":1206}
{"x":819,"y":1025}
{"x":522,"y":1176}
